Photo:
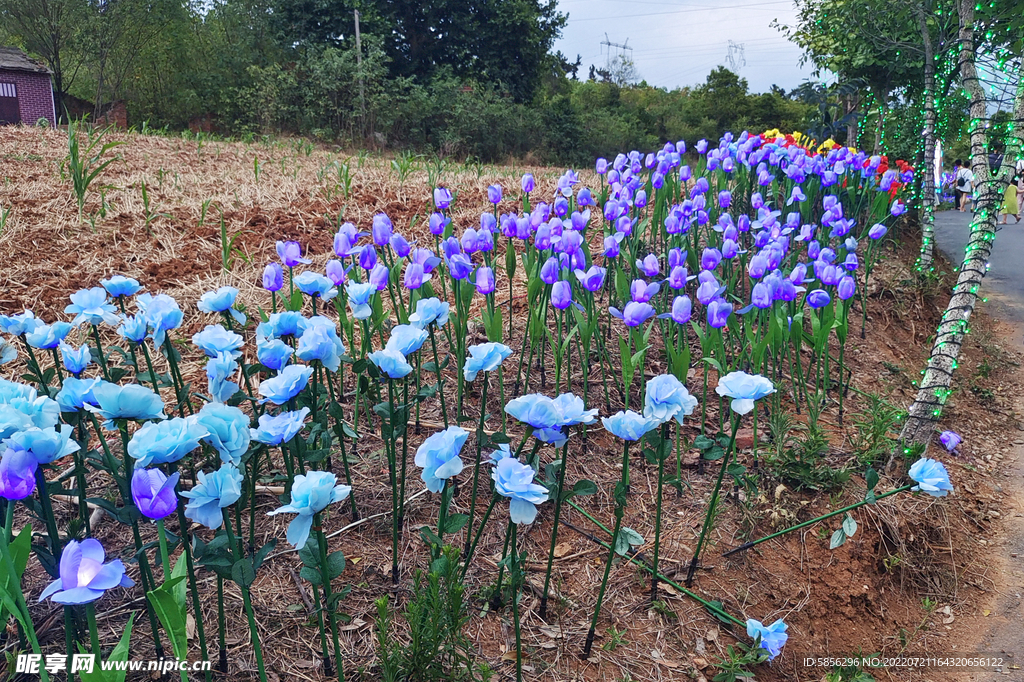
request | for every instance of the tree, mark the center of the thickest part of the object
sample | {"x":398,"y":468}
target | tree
{"x":50,"y":29}
{"x":938,"y":377}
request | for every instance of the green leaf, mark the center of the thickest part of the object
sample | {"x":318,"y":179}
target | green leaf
{"x":243,"y":573}
{"x":310,"y":574}
{"x":171,"y":615}
{"x":455,"y":523}
{"x":429,"y":536}
{"x":849,"y":526}
{"x":838,"y":538}
{"x":584,"y":487}
{"x":119,"y":653}
{"x":871,"y":477}
{"x":627,"y":538}
{"x":335,"y":564}
{"x":20,"y":549}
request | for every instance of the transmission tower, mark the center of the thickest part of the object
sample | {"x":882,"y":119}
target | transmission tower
{"x":623,"y":48}
{"x":735,"y":58}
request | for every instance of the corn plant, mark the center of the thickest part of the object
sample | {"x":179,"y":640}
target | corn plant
{"x":85,"y":161}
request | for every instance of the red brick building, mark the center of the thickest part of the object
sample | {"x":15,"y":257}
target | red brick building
{"x":26,"y":93}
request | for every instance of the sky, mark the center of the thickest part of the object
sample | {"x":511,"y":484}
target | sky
{"x":677,"y":42}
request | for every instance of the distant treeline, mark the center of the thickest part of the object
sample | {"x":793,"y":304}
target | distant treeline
{"x":460,"y":77}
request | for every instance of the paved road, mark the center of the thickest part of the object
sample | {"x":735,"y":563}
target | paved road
{"x":1004,"y":287}
{"x":1004,"y":283}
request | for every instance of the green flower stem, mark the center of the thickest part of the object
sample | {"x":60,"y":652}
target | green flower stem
{"x":9,"y":519}
{"x":516,"y":577}
{"x":554,"y":531}
{"x":713,"y":503}
{"x":186,"y":548}
{"x":325,"y":578}
{"x":496,"y":597}
{"x":479,"y":532}
{"x":289,"y":471}
{"x":99,"y":350}
{"x":19,"y":600}
{"x":149,"y":365}
{"x":344,"y":455}
{"x":476,"y":465}
{"x":620,"y":509}
{"x":405,"y":449}
{"x":236,"y":550}
{"x":325,"y":652}
{"x":442,"y":519}
{"x":221,"y":637}
{"x":56,"y":366}
{"x":179,"y":381}
{"x":34,"y":365}
{"x":747,"y":545}
{"x":437,"y":370}
{"x":164,"y":555}
{"x":391,"y":447}
{"x":79,"y":456}
{"x":664,"y":449}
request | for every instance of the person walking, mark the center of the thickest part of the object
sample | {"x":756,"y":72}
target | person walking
{"x":964,"y":185}
{"x":1011,"y":205}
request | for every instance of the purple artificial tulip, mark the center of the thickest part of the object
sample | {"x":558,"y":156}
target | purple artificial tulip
{"x":710,"y":258}
{"x":950,"y":440}
{"x":470,"y":241}
{"x":367,"y":258}
{"x":291,"y":254}
{"x":708,"y":290}
{"x":494,"y":194}
{"x":682,"y":310}
{"x":400,"y":245}
{"x":442,"y":198}
{"x":730,"y":249}
{"x":336,"y":272}
{"x":601,"y":166}
{"x":847,"y":288}
{"x":488,"y":223}
{"x":459,"y":266}
{"x":379,"y":276}
{"x":382,"y":229}
{"x":84,"y":577}
{"x":426,"y":258}
{"x":527,"y":183}
{"x":877,"y":231}
{"x":415,"y":276}
{"x":549,"y":271}
{"x":724,"y":199}
{"x":273,"y":277}
{"x":484,"y":280}
{"x":642,"y":292}
{"x":17,"y":474}
{"x":649,"y":266}
{"x":719,"y":311}
{"x":561,"y":295}
{"x":593,"y":279}
{"x":611,"y":246}
{"x":437,"y":223}
{"x":760,"y":296}
{"x":153,"y":492}
{"x":561,"y":207}
{"x":485,"y":240}
{"x":584,"y":198}
{"x":818,"y":298}
{"x":851,"y":263}
{"x":676,"y":257}
{"x":344,"y":244}
{"x":634,"y":314}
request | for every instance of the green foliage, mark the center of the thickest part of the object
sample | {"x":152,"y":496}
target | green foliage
{"x":437,"y":649}
{"x":86,"y":160}
{"x":876,"y":430}
{"x":738,"y":659}
{"x":801,"y":461}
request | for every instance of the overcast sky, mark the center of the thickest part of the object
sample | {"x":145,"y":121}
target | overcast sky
{"x":677,"y":42}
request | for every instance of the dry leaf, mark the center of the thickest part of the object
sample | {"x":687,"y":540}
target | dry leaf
{"x":354,"y":625}
{"x":356,"y":560}
{"x":986,"y":612}
{"x":561,"y":549}
{"x":711,"y":635}
{"x":509,"y":655}
{"x":190,"y":626}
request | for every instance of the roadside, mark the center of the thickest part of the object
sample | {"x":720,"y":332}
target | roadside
{"x":996,"y":625}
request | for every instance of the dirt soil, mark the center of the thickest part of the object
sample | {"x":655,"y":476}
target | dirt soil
{"x":920,"y":576}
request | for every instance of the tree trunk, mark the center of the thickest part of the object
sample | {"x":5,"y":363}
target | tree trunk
{"x":924,"y":263}
{"x":938,"y":377}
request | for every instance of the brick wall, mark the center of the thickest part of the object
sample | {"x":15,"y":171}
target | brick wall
{"x":35,"y":95}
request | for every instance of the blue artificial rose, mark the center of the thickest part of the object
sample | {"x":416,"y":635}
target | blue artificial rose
{"x":273,"y":354}
{"x":390,"y":362}
{"x":931,"y":477}
{"x":132,"y":401}
{"x":439,"y":457}
{"x":213,"y":493}
{"x":76,"y":393}
{"x":162,"y":314}
{"x":280,"y":429}
{"x":430,"y":311}
{"x":314,"y":284}
{"x":666,"y":398}
{"x":219,"y":371}
{"x":628,"y":425}
{"x":165,"y":441}
{"x":75,"y":360}
{"x":286,"y":385}
{"x":484,"y":357}
{"x":215,"y":339}
{"x":359,"y":295}
{"x":221,"y":301}
{"x":227,"y":431}
{"x":320,"y":342}
{"x":89,"y":306}
{"x":514,"y":480}
{"x":48,"y":336}
{"x":406,"y":339}
{"x":134,"y":328}
{"x":20,"y":324}
{"x":119,"y":286}
{"x":744,"y":389}
{"x":45,"y":445}
{"x":311,"y":493}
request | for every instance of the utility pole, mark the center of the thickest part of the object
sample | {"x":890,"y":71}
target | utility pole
{"x":359,"y":67}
